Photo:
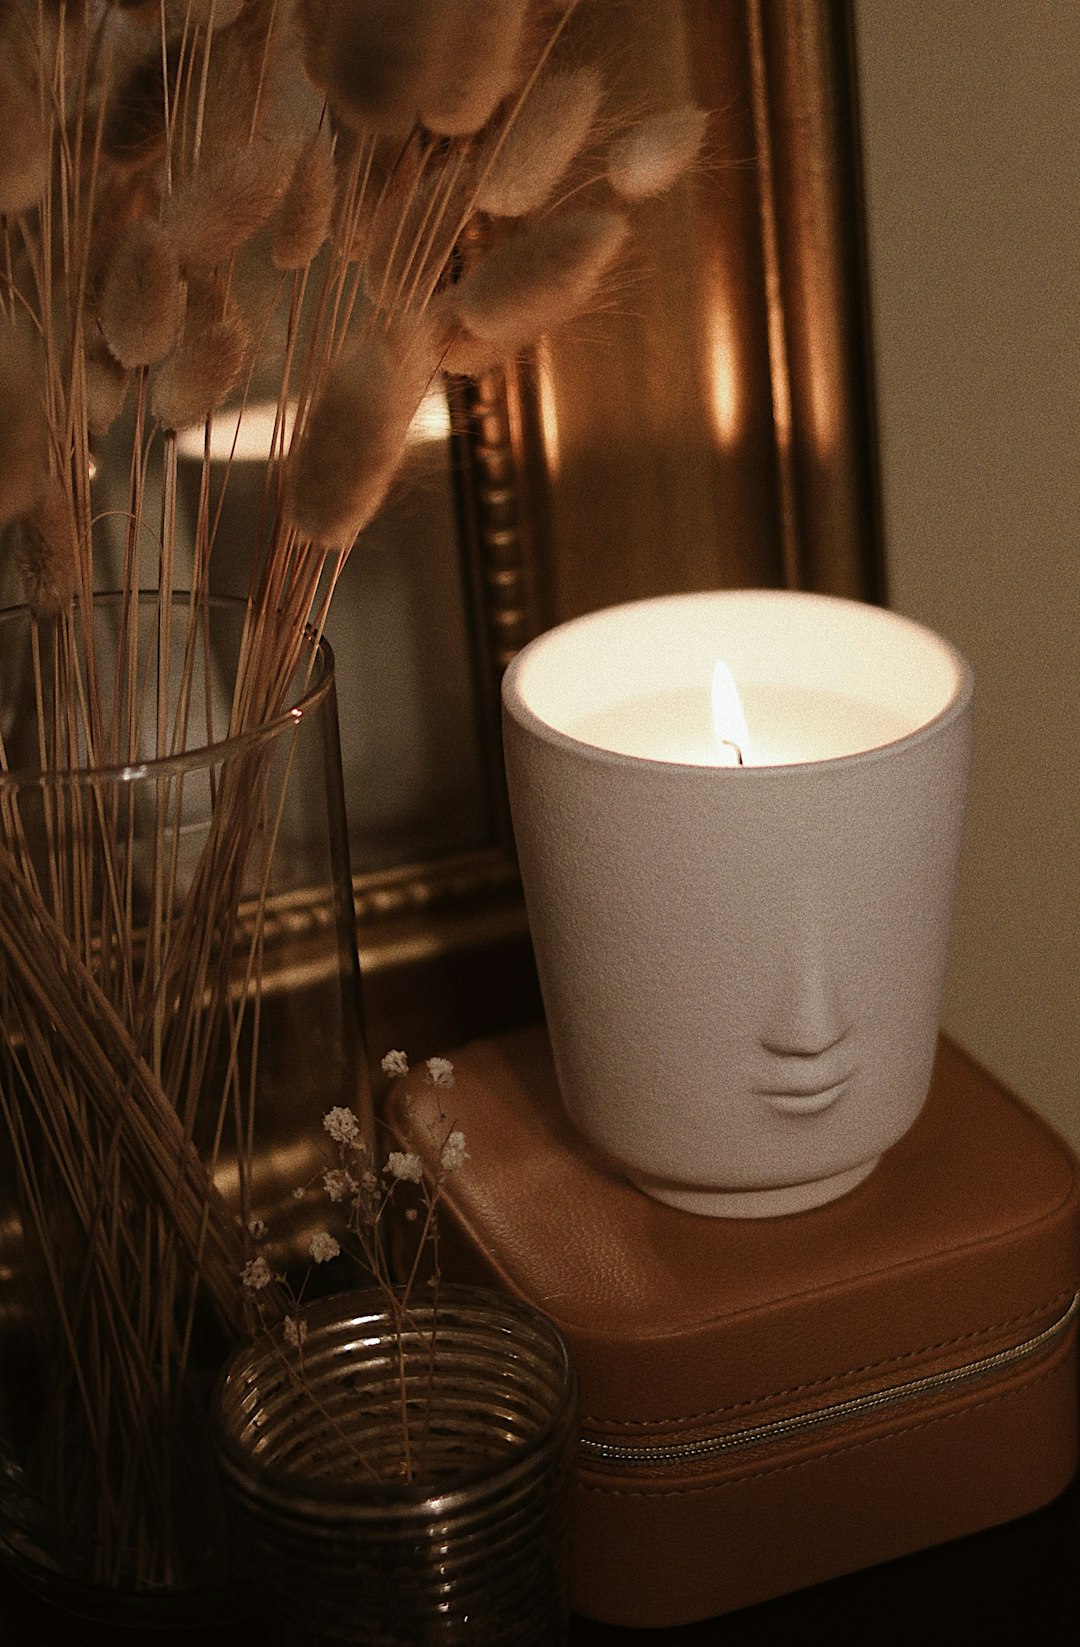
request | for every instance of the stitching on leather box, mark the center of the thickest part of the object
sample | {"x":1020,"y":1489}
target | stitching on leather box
{"x":820,"y":1458}
{"x":636,"y":1425}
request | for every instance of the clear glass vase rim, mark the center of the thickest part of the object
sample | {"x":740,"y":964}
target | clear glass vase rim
{"x":211,"y":754}
{"x":370,"y":1304}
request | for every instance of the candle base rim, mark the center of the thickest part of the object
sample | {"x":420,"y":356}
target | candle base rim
{"x":754,"y":1203}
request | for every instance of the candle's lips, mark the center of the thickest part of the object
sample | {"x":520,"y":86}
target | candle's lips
{"x":804,"y":1100}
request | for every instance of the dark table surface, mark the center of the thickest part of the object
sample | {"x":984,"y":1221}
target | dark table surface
{"x":1018,"y":1583}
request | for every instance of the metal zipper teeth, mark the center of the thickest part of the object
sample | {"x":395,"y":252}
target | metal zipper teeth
{"x":685,"y":1452}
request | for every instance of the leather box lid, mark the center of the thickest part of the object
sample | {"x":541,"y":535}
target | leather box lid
{"x":963,"y":1240}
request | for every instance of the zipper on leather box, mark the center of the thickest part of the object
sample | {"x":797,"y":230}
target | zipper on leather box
{"x":630,"y":1454}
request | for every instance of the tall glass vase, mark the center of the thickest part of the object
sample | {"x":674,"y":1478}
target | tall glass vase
{"x":178,"y":1008}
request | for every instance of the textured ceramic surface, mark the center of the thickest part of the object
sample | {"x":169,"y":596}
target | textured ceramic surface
{"x":742,"y":967}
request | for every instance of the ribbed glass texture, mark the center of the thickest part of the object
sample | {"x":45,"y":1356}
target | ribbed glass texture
{"x":340,"y":1547}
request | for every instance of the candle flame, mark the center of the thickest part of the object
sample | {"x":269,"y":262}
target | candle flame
{"x":729,"y":720}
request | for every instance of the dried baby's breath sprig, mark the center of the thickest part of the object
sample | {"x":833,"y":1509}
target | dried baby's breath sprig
{"x":305,"y":211}
{"x":546,"y":273}
{"x":481,"y":65}
{"x":652,"y":156}
{"x":142,"y":298}
{"x":46,"y":552}
{"x":354,"y":439}
{"x":549,"y":132}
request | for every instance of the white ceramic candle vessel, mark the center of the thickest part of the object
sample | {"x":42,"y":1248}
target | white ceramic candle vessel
{"x":742,"y":965}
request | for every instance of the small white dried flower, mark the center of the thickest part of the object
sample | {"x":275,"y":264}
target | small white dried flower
{"x":453,"y":1153}
{"x":256,"y":1274}
{"x":294,"y":1331}
{"x":341,"y":1124}
{"x":403,"y":1164}
{"x":395,"y":1063}
{"x":440,"y":1072}
{"x":323,"y":1247}
{"x":339,"y":1184}
{"x":298,"y":1194}
{"x":655,"y":154}
{"x":256,"y":1229}
{"x":369,"y":1180}
{"x":411,"y":1215}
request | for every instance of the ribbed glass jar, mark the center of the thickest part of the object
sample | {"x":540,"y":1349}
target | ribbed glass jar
{"x":340,"y":1547}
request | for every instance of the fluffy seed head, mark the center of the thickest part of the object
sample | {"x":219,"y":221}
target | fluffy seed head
{"x":537,"y":149}
{"x":541,"y":277}
{"x":200,"y":373}
{"x":24,"y":142}
{"x":106,"y":387}
{"x":24,"y":432}
{"x":355,"y":436}
{"x":379,"y":59}
{"x":479,"y":68}
{"x":653,"y":156}
{"x":141,"y":298}
{"x":304,"y":214}
{"x":227,"y":200}
{"x":46,"y":552}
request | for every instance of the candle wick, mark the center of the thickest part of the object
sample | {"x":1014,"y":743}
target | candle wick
{"x":733,"y":745}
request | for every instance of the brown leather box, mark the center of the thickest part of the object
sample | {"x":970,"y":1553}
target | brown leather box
{"x":768,"y":1403}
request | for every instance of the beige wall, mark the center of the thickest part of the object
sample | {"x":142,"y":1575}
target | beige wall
{"x":971,"y":123}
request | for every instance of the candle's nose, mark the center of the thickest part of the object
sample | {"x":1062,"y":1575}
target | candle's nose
{"x":806,"y":1018}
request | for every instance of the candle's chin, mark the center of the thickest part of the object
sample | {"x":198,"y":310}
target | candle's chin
{"x":762,"y":1203}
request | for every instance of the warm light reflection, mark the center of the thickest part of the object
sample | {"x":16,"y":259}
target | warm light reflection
{"x":723,"y":388}
{"x":549,"y":416}
{"x":728,"y":718}
{"x":248,"y":435}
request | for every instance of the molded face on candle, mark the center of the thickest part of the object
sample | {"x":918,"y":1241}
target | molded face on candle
{"x":742,"y":967}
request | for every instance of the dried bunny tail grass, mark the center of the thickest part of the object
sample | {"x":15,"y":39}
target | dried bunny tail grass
{"x":355,"y":436}
{"x":406,"y":235}
{"x":378,"y":60}
{"x":141,"y":296}
{"x":305,"y":212}
{"x":106,"y":387}
{"x":201,"y":373}
{"x":546,"y":273}
{"x":24,"y":431}
{"x":653,"y":156}
{"x":24,"y":140}
{"x":227,"y":200}
{"x":46,"y":552}
{"x":536,"y":150}
{"x":203,"y":14}
{"x":482,"y":66}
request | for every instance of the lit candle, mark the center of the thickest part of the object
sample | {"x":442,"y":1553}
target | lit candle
{"x":739,"y":882}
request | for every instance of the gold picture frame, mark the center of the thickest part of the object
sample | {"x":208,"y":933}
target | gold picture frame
{"x":711,"y":425}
